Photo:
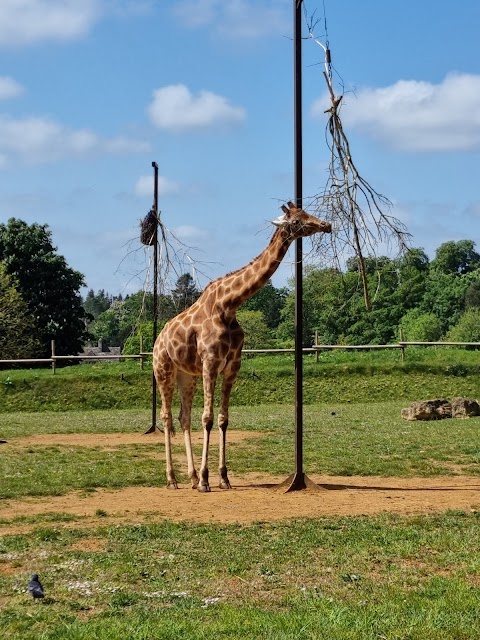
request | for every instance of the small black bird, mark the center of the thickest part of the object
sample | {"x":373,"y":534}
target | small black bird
{"x":35,"y":587}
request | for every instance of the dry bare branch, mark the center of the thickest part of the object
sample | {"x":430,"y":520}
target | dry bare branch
{"x":360,"y":215}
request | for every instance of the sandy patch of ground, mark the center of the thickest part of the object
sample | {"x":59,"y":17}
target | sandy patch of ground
{"x":114,"y":440}
{"x":254,"y":498}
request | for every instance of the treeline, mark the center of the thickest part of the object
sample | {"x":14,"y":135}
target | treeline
{"x":121,"y":322}
{"x":118,"y":321}
{"x":412,"y":298}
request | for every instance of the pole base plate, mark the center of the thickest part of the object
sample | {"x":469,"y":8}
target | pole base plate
{"x":299,"y":482}
{"x":151,"y":429}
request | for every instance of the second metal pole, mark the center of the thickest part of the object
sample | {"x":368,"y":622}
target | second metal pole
{"x":298,"y":480}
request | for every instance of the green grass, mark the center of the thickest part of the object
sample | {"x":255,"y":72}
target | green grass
{"x":349,"y":578}
{"x":345,"y":376}
{"x":346,"y":578}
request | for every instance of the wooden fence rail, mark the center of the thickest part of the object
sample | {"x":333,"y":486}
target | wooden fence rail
{"x":316,"y":348}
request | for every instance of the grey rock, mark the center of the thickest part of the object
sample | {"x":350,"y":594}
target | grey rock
{"x":439,"y":409}
{"x":464,"y":408}
{"x":428,"y":410}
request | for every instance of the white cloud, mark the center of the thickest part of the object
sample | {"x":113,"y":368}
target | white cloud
{"x":175,"y":108}
{"x":28,"y":22}
{"x":418,"y":116}
{"x":39,"y":140}
{"x":9,"y":88}
{"x":236,"y":19}
{"x":144,"y":186}
{"x":24,"y":22}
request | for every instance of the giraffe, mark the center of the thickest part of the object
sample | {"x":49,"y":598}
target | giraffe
{"x":206,"y":340}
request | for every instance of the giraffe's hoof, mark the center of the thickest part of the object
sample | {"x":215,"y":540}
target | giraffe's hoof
{"x":194,"y":480}
{"x":225,"y":484}
{"x":203,"y":488}
{"x":172,"y":484}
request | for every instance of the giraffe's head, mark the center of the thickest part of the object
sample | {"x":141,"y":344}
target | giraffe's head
{"x":298,"y":224}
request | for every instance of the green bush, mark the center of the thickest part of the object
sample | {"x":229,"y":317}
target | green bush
{"x":422,"y":327}
{"x":467,"y":328}
{"x":145,"y":331}
{"x":257,"y":333}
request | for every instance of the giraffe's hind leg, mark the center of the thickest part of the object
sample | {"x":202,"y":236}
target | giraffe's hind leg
{"x":186,"y":386}
{"x":165,"y":377}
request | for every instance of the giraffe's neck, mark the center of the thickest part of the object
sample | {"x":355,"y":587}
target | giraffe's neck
{"x":241,"y":285}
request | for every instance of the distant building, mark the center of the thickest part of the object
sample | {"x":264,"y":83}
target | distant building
{"x":100,"y":351}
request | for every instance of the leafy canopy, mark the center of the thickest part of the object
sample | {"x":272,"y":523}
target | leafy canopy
{"x":17,"y":328}
{"x":49,"y":287}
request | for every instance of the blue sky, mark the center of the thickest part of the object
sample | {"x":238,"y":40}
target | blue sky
{"x":91,"y":91}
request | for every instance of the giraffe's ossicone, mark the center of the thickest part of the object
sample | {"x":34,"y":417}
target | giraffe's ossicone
{"x":206,"y":341}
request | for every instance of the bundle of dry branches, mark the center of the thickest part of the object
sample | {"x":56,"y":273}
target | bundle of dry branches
{"x":360,"y":216}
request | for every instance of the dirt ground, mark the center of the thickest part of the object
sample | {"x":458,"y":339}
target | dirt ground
{"x":253,"y":497}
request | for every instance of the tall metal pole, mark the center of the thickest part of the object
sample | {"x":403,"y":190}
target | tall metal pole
{"x":298,"y":480}
{"x":155,"y":293}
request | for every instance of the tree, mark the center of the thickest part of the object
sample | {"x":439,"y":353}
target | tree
{"x":412,"y":278}
{"x":108,"y":326}
{"x":270,"y":301}
{"x":145,"y":330}
{"x":445,"y":296}
{"x":17,"y":328}
{"x":467,"y":328}
{"x":124,"y":318}
{"x":456,"y":257}
{"x":472,"y":295}
{"x":334,"y":305}
{"x":257,"y":333}
{"x":328,"y":297}
{"x":185,"y":293}
{"x":95,"y":304}
{"x":417,"y":326}
{"x":48,"y":285}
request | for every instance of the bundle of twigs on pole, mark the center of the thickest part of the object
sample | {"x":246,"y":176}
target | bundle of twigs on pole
{"x":359,"y":214}
{"x":148,"y":227}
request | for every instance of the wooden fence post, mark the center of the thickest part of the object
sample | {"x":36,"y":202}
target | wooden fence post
{"x":54,"y":361}
{"x":402,"y":338}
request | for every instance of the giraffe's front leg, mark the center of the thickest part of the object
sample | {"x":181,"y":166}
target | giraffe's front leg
{"x":209,"y":380}
{"x":229,"y":377}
